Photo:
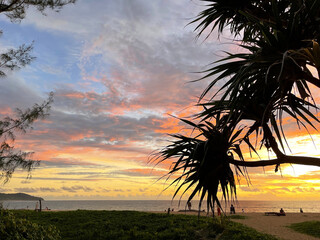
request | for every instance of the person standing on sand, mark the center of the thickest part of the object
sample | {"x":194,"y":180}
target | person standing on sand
{"x":219,"y":211}
{"x":232,"y":210}
{"x":189,"y":206}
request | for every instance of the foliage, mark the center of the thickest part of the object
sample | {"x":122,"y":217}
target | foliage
{"x":311,"y":228}
{"x":110,"y":225}
{"x":15,"y":10}
{"x":15,"y":58}
{"x":12,"y":59}
{"x":204,"y":163}
{"x":10,"y":158}
{"x":12,"y":228}
{"x":250,"y":94}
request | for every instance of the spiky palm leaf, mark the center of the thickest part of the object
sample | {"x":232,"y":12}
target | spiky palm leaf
{"x":261,"y":82}
{"x":201,"y":162}
{"x":270,"y":80}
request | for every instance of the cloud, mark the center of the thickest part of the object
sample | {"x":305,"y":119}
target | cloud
{"x":25,"y":182}
{"x":143,"y":189}
{"x":118,"y":190}
{"x":154,"y":13}
{"x":16,"y":93}
{"x":71,"y":189}
{"x":135,"y":74}
{"x":47,"y":189}
{"x":250,"y":189}
{"x":104,"y":190}
{"x":26,"y":190}
{"x":37,"y":189}
{"x":5,"y":190}
{"x":66,"y":179}
{"x":64,"y":162}
{"x":117,"y":68}
{"x":74,"y":189}
{"x":145,"y":172}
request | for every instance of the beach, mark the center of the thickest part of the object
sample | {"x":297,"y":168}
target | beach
{"x":254,"y":211}
{"x":277,"y":225}
{"x":274,"y":225}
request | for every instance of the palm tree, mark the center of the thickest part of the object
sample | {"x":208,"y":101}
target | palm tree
{"x":269,"y":81}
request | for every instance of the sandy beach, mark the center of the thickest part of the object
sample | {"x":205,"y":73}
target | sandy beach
{"x":274,"y":225}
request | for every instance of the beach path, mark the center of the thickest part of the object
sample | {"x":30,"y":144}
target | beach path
{"x":277,"y":225}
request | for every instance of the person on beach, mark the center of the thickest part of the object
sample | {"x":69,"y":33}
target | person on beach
{"x":219,"y":211}
{"x":232,"y":209}
{"x":301,"y":211}
{"x":282,"y":213}
{"x":189,"y":206}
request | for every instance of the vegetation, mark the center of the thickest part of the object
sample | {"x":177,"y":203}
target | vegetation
{"x":10,"y":158}
{"x":250,"y":95}
{"x":311,"y":228}
{"x":13,"y":228}
{"x":15,"y":10}
{"x":18,"y":196}
{"x":119,"y":225}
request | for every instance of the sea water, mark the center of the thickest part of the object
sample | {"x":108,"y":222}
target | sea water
{"x":162,"y":205}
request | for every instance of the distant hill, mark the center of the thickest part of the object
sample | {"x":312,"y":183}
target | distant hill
{"x":18,"y":196}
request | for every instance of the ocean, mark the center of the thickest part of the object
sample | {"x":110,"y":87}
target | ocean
{"x":162,"y":205}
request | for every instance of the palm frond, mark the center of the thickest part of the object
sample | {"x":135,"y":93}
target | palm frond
{"x":202,"y":164}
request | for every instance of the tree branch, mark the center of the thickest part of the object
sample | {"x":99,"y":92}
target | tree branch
{"x":312,"y":161}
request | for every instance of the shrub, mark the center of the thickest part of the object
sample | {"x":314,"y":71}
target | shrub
{"x":12,"y":228}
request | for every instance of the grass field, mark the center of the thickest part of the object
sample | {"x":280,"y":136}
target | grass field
{"x":311,"y":228}
{"x":119,"y":225}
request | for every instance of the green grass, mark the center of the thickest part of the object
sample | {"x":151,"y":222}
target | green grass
{"x":311,"y":228}
{"x":123,"y":225}
{"x":237,"y":217}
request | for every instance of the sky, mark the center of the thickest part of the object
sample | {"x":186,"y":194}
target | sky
{"x":119,"y":70}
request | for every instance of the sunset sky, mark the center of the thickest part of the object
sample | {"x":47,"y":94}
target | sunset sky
{"x":118,"y":70}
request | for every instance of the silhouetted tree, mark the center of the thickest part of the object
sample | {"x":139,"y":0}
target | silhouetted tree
{"x":256,"y":90}
{"x":11,"y":158}
{"x":15,"y":10}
